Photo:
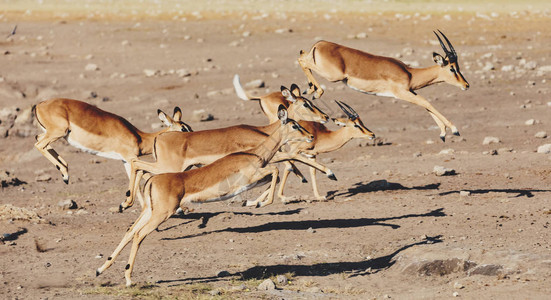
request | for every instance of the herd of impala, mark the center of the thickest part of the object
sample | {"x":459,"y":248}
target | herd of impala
{"x":234,"y":159}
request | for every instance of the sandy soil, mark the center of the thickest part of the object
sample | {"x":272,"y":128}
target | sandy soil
{"x":391,"y":229}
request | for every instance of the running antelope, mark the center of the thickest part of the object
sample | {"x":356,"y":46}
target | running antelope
{"x":96,"y":131}
{"x":299,"y":107}
{"x":177,"y":151}
{"x":383,"y":76}
{"x":327,"y":141}
{"x":223,"y":179}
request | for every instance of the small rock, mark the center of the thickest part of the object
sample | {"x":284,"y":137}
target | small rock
{"x":541,"y":135}
{"x":67,"y":204}
{"x":201,"y":116}
{"x":267,"y":285}
{"x":214,"y":292}
{"x":490,"y":140}
{"x":464,"y":193}
{"x":442,"y":171}
{"x":91,"y":67}
{"x":282,"y":280}
{"x":458,"y":286}
{"x":257,"y":83}
{"x":99,"y":256}
{"x":417,"y":154}
{"x":240,"y":287}
{"x":447,"y":151}
{"x":455,"y":294}
{"x":545,"y":149}
{"x":530,"y":122}
{"x":361,"y":35}
{"x":43,"y":177}
{"x":310,"y":230}
{"x":151,"y":73}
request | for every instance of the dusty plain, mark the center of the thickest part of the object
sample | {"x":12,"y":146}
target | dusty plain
{"x":391,"y":227}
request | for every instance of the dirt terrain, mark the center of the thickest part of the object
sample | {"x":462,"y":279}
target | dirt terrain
{"x":391,"y":228}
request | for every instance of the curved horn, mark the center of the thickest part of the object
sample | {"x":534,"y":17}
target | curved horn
{"x":346,"y":111}
{"x":442,"y":43}
{"x":449,"y":44}
{"x":354,"y":113}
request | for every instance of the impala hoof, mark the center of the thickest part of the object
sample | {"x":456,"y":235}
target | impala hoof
{"x":456,"y":133}
{"x":332,"y":176}
{"x":121,"y":208}
{"x":98,"y":272}
{"x":443,"y":138}
{"x":66,"y":180}
{"x":304,"y":180}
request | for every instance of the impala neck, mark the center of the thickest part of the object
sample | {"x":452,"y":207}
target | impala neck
{"x":423,"y":77}
{"x":146,"y":145}
{"x":271,"y":144}
{"x":332,"y":140}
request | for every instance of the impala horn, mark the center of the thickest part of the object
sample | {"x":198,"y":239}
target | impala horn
{"x":450,"y":54}
{"x":352,"y":115}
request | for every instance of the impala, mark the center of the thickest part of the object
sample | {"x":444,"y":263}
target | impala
{"x":177,"y":151}
{"x":299,"y":107}
{"x":326,"y":141}
{"x":223,"y":179}
{"x":96,"y":131}
{"x":383,"y":76}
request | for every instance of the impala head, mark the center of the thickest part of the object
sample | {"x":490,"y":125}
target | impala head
{"x":450,"y":68}
{"x":175,"y":123}
{"x":292,"y":131}
{"x":302,"y":108}
{"x":353,"y":122}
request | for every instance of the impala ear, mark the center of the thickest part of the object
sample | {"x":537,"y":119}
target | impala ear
{"x":164,"y":118}
{"x":287,"y":94}
{"x":438,"y":59}
{"x":295,"y":90}
{"x":282,"y":114}
{"x":177,"y":115}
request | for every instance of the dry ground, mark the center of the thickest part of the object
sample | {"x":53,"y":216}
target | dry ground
{"x":392,"y":228}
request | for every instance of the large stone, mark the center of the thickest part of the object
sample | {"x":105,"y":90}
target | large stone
{"x":267,"y":285}
{"x":442,"y":171}
{"x":545,"y":149}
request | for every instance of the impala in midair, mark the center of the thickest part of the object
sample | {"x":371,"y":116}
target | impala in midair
{"x":383,"y":76}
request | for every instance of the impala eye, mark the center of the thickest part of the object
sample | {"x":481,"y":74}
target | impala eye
{"x":295,"y":127}
{"x":452,"y":70}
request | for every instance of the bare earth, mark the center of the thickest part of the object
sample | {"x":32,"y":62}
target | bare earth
{"x":391,"y":228}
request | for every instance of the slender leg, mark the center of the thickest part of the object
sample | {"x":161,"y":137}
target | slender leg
{"x":315,"y":184}
{"x":440,"y":125}
{"x":152,"y":224}
{"x":313,"y":85}
{"x":281,"y":156}
{"x":262,"y":173}
{"x":418,"y":100}
{"x":286,"y":172}
{"x":135,"y":166}
{"x":43,"y":145}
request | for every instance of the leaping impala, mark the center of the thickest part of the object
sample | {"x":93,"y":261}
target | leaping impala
{"x":383,"y":76}
{"x":325,"y":141}
{"x":224,"y":178}
{"x":96,"y":131}
{"x":176,"y":151}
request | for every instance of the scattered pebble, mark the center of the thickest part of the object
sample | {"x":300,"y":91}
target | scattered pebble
{"x":455,"y":294}
{"x":464,"y":193}
{"x":310,"y":230}
{"x":442,"y":171}
{"x":91,"y":67}
{"x":541,"y":134}
{"x":530,"y":122}
{"x":545,"y":149}
{"x":447,"y":151}
{"x":490,"y":140}
{"x":43,"y":177}
{"x":253,"y":84}
{"x":214,"y":292}
{"x":201,"y":116}
{"x":67,"y":204}
{"x":458,"y":285}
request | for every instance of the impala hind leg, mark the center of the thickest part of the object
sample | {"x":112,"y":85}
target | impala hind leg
{"x":137,"y":165}
{"x":305,"y":60}
{"x":153,"y":223}
{"x":269,"y":193}
{"x":43,"y":145}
